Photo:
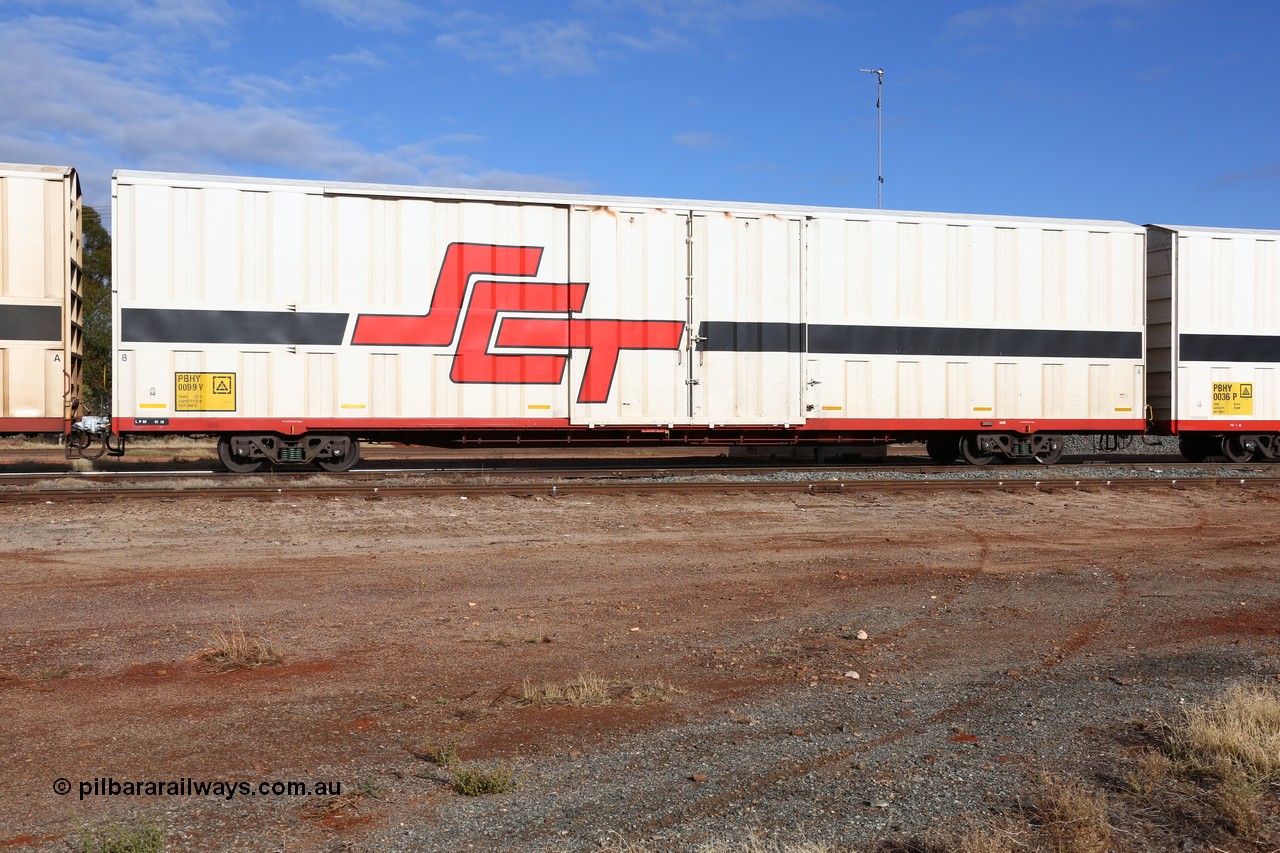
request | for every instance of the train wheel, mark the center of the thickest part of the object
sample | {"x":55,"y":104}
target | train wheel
{"x":237,"y":464}
{"x":1054,"y":454}
{"x":1196,"y":447}
{"x":973,"y":453}
{"x":943,"y":449}
{"x":1236,"y":450}
{"x":344,"y":462}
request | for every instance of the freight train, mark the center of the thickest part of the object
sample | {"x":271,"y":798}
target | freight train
{"x":295,"y":319}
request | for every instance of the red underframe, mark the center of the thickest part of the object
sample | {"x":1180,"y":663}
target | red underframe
{"x":1221,"y":426}
{"x":9,"y":426}
{"x":563,"y":430}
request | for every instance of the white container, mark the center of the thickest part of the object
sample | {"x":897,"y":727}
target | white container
{"x":933,"y":321}
{"x":290,"y":307}
{"x":1214,"y":308}
{"x":40,"y":269}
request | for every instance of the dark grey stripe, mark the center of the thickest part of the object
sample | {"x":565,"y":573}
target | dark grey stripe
{"x":180,"y":325}
{"x":724,"y":336}
{"x":918,"y":341}
{"x":30,"y":323}
{"x":1225,"y":348}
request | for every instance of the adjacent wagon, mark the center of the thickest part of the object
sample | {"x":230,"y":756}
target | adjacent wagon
{"x":1214,"y":315}
{"x":41,"y":337}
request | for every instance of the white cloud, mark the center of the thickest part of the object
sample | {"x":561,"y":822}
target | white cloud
{"x":1021,"y":18}
{"x":603,"y":30}
{"x":1263,"y":173}
{"x":546,"y":47}
{"x":121,"y":107}
{"x":700,"y":140}
{"x":363,"y":56}
{"x":711,"y":14}
{"x":180,"y":14}
{"x":391,"y":15}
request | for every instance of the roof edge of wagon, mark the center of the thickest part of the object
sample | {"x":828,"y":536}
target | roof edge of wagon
{"x":1226,"y":232}
{"x":339,"y":188}
{"x":28,"y":169}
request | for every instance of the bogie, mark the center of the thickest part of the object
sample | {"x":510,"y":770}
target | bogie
{"x":244,"y":454}
{"x":977,"y":449}
{"x":1239,"y":448}
{"x":983,"y":448}
{"x":237,"y":455}
{"x":1234,"y":447}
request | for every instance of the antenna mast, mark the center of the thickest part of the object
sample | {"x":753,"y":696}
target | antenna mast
{"x":879,"y":72}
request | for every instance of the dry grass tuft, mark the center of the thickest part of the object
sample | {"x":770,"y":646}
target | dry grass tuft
{"x":991,"y":837}
{"x":756,"y":845}
{"x":1236,"y":804}
{"x":1237,"y":733}
{"x":660,"y":691}
{"x":616,"y":843}
{"x":145,"y":837}
{"x":1152,"y":770}
{"x":587,"y":690}
{"x":367,"y":788}
{"x":441,"y":755}
{"x":1072,"y":817}
{"x":234,"y":649}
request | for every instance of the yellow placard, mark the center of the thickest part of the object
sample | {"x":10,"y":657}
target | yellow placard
{"x":204,"y":392}
{"x":1233,"y":398}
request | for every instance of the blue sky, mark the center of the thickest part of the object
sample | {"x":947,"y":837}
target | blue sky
{"x":1142,"y":110}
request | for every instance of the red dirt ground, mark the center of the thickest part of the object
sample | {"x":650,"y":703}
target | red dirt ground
{"x":402,"y":618}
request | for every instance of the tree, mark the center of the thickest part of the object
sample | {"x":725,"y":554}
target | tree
{"x":95,"y":289}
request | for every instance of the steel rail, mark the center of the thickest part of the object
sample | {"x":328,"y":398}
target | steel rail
{"x":619,"y":471}
{"x":562,"y":489}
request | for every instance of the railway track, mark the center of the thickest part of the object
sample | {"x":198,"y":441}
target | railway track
{"x":558,"y":481}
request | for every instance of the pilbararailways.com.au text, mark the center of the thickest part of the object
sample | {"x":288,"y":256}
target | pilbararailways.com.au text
{"x":107,"y":786}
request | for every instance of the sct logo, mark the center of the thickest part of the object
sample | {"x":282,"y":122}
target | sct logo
{"x":483,"y":332}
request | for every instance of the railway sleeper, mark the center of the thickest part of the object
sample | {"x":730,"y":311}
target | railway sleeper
{"x":244,"y":454}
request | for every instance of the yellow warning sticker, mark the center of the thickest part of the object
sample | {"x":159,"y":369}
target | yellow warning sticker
{"x":205,"y":392}
{"x":1233,"y":398}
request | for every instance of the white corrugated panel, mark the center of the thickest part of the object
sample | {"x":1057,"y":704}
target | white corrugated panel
{"x":195,"y":256}
{"x":39,"y":293}
{"x":747,"y":271}
{"x":911,"y":295}
{"x":1225,"y":330}
{"x":634,"y":261}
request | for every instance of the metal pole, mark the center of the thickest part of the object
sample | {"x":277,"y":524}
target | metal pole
{"x":879,"y":72}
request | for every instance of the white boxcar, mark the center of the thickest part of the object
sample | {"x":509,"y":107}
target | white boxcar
{"x":1214,"y":341}
{"x":41,"y":339}
{"x":294,"y":317}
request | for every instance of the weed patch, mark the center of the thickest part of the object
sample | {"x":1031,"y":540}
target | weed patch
{"x":588,"y":690}
{"x":235,"y":649}
{"x":475,"y":781}
{"x":1237,"y":733}
{"x":145,"y":837}
{"x":1072,"y":817}
{"x":441,"y":755}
